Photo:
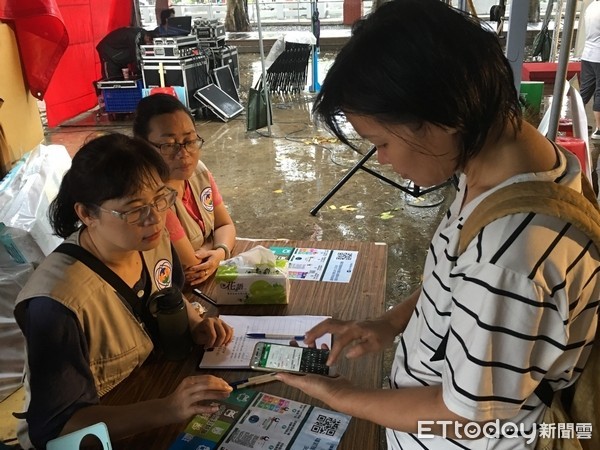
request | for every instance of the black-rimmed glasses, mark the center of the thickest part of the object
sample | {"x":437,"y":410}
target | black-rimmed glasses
{"x":141,"y":213}
{"x":172,"y":149}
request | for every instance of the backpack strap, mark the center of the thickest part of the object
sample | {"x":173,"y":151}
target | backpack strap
{"x":540,"y":197}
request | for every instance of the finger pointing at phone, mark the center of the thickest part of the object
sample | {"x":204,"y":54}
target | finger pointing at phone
{"x":356,"y":337}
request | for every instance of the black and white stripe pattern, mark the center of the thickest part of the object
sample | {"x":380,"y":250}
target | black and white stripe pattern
{"x":519,"y":305}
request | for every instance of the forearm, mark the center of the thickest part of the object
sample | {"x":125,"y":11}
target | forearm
{"x":398,"y":409}
{"x":186,"y":253}
{"x":400,"y":314}
{"x":225,"y":234}
{"x":122,"y":421}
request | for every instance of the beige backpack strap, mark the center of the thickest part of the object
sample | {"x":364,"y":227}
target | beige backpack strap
{"x":540,"y":197}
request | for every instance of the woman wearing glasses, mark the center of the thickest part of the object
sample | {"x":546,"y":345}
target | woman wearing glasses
{"x":82,"y":338}
{"x":201,"y":228}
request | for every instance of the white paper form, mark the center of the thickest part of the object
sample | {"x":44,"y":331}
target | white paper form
{"x":237,"y":355}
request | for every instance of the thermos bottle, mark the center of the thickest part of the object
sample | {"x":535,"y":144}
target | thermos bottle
{"x":174,"y":334}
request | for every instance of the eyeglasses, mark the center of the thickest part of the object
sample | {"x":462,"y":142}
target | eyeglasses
{"x":141,"y":213}
{"x":172,"y":149}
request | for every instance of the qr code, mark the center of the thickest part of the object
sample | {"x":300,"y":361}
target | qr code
{"x":325,"y":425}
{"x":344,"y":256}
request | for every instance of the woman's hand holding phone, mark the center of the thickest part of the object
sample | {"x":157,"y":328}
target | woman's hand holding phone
{"x":274,"y":357}
{"x":327,"y":389}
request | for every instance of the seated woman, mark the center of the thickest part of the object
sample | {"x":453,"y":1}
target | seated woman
{"x":201,"y":229}
{"x":82,"y":338}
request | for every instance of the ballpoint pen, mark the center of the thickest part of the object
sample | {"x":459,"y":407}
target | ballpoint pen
{"x":203,"y":296}
{"x":252,"y":381}
{"x":287,"y":337}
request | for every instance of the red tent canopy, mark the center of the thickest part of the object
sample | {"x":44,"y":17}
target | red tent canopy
{"x":57,"y":44}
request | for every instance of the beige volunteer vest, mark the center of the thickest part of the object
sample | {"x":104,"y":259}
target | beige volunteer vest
{"x":203,"y":195}
{"x":100,"y":311}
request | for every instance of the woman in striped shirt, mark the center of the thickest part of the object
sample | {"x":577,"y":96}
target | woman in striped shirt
{"x":432,"y":90}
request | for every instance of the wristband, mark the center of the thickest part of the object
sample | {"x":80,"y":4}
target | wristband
{"x":225,"y":248}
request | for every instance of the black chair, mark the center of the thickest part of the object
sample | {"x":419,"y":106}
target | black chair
{"x":288,"y":73}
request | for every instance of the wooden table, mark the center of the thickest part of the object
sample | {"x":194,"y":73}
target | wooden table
{"x":361,"y":298}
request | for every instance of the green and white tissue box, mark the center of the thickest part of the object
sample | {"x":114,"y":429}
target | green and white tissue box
{"x":262,"y":284}
{"x":254,"y":279}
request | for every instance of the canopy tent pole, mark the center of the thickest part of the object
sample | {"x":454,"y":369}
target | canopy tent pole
{"x":264,"y":68}
{"x":515,"y":39}
{"x":561,"y":70}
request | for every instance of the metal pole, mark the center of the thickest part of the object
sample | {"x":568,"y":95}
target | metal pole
{"x":264,"y":69}
{"x":515,"y":40}
{"x":561,"y":69}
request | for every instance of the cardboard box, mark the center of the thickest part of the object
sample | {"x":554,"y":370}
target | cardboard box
{"x":20,"y":116}
{"x":263,"y":284}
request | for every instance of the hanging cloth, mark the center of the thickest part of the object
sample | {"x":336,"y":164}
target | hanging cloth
{"x":41,"y":36}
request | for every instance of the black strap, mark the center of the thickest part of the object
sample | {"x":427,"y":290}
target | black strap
{"x":544,"y":392}
{"x":440,"y":353}
{"x":105,"y":272}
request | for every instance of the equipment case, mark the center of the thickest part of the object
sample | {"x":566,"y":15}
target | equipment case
{"x":176,"y":40}
{"x":191,"y":73}
{"x":169,"y":51}
{"x":223,"y":56}
{"x":209,"y":29}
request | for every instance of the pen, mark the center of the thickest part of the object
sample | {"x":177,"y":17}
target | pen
{"x":252,"y":381}
{"x":203,"y":296}
{"x":288,"y":337}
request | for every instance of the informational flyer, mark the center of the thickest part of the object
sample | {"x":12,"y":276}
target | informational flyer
{"x":318,"y":264}
{"x":250,"y":419}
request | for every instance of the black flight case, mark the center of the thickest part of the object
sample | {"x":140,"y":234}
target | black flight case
{"x":191,"y":73}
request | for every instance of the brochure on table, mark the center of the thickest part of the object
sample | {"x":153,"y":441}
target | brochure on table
{"x":238,"y":353}
{"x":316,"y":264}
{"x":250,"y":419}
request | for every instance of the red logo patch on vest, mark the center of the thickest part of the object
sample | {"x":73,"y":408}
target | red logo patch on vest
{"x":206,"y":198}
{"x":163,"y":271}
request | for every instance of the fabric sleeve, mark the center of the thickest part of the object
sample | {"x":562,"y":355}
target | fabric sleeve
{"x":173,"y":226}
{"x":217,"y":198}
{"x":516,"y":332}
{"x":60,"y":378}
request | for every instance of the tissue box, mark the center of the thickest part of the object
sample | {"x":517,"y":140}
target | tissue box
{"x":262,"y":284}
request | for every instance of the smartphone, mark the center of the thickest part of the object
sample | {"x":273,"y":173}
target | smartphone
{"x":286,"y":358}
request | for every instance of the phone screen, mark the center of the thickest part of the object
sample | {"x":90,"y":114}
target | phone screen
{"x":291,"y":359}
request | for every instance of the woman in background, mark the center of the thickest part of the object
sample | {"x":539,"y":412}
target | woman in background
{"x":200,"y":226}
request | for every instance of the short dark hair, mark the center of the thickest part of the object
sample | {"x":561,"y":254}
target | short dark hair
{"x":165,"y":14}
{"x":152,"y":106}
{"x":107,"y":167}
{"x":417,"y":61}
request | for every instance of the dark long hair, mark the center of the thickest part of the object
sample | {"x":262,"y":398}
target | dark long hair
{"x":152,"y":106}
{"x":417,"y":61}
{"x":107,"y":167}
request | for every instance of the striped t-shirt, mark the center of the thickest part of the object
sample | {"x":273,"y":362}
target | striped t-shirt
{"x":519,"y":305}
